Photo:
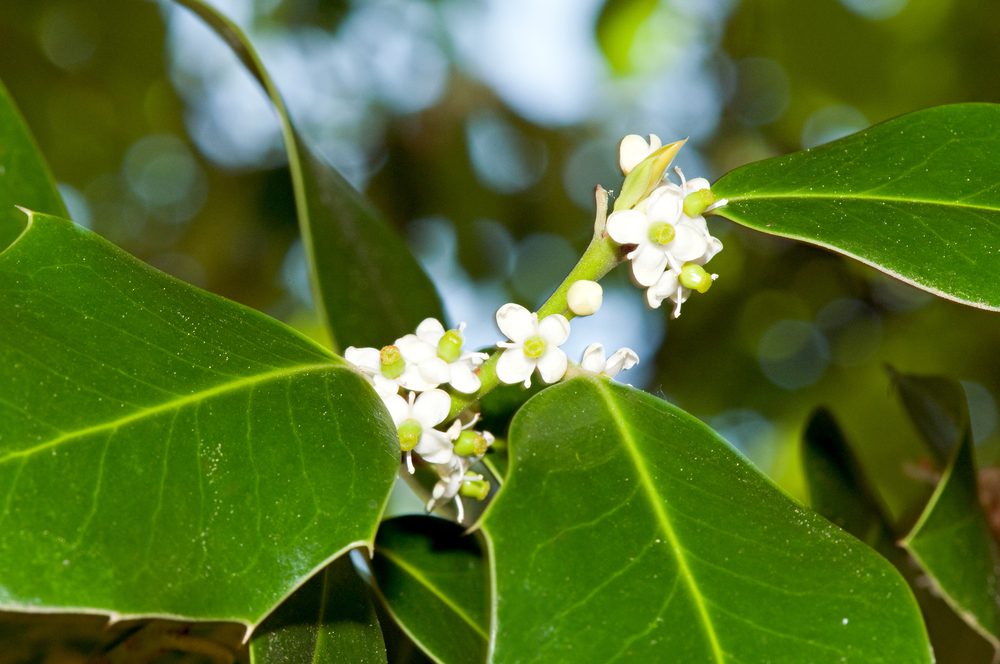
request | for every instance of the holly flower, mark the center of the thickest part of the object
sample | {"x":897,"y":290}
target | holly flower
{"x":532,"y":344}
{"x":676,"y":286}
{"x":369,"y":362}
{"x":457,"y":481}
{"x":415,"y":419}
{"x":594,"y":361}
{"x":660,"y":232}
{"x":437,"y":356}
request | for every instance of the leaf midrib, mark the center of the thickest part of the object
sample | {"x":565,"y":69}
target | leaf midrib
{"x":857,"y":197}
{"x":665,"y":523}
{"x":437,"y":592}
{"x":173,"y":404}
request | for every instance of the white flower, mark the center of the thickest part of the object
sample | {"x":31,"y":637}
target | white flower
{"x":415,"y":420}
{"x":671,"y":286}
{"x":447,"y":488}
{"x":585,"y":297}
{"x":634,"y":148}
{"x":661,"y":232}
{"x":532,"y":344}
{"x":438,"y":357}
{"x":622,"y":359}
{"x":368,"y":361}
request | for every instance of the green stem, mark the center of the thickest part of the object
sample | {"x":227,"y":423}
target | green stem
{"x":600,"y":257}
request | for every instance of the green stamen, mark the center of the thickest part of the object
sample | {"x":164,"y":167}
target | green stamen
{"x":534,"y":347}
{"x":392,"y":362}
{"x":471,"y":443}
{"x":694,"y":277}
{"x":409,"y":434}
{"x":450,"y":347}
{"x":696,"y":202}
{"x":477,"y":489}
{"x":662,"y":233}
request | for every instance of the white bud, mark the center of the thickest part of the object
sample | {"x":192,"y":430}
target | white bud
{"x":585,"y":297}
{"x":634,"y":149}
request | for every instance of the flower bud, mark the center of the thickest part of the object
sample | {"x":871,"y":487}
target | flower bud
{"x":471,"y":443}
{"x":694,"y":277}
{"x":696,"y":202}
{"x":475,"y":488}
{"x":392,"y":362}
{"x":585,"y":297}
{"x":646,"y":177}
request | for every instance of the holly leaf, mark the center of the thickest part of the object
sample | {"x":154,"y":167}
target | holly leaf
{"x":627,"y":529}
{"x":367,"y":284}
{"x":166,"y":452}
{"x":331,"y":619}
{"x":25,"y":179}
{"x":433,"y":580}
{"x":917,"y":197}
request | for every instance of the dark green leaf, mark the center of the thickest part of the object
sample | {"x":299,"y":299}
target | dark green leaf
{"x":367,"y":284}
{"x":434,"y":582}
{"x":627,"y":529}
{"x":837,"y":486}
{"x":938,"y":408}
{"x":164,"y":451}
{"x":329,"y":620}
{"x":952,"y":542}
{"x":24,"y":176}
{"x":917,"y":197}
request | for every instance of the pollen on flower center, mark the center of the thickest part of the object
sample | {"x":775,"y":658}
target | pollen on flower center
{"x":449,"y":348}
{"x":409,"y":434}
{"x":534,"y":347}
{"x":662,"y":232}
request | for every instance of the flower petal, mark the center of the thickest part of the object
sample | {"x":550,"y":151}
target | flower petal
{"x":593,"y":358}
{"x":632,"y":150}
{"x":513,"y":367}
{"x":516,"y":322}
{"x":364,"y":358}
{"x":688,"y":244}
{"x":628,"y":227}
{"x":430,"y":331}
{"x":648,"y":264}
{"x":714,"y":247}
{"x":621,"y":360}
{"x":398,"y":408}
{"x":431,"y":408}
{"x":665,"y":286}
{"x":462,"y":378}
{"x":552,"y":365}
{"x":385,"y":386}
{"x":412,"y":380}
{"x":434,"y":370}
{"x":434,"y":447}
{"x":697,"y":184}
{"x":415,"y":349}
{"x":665,"y":204}
{"x":554,"y":329}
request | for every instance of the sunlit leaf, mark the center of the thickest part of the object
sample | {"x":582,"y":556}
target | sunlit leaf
{"x":329,"y":620}
{"x":164,"y":451}
{"x":917,"y":197}
{"x":433,"y":579}
{"x":24,"y":176}
{"x":366,"y":282}
{"x":627,"y":529}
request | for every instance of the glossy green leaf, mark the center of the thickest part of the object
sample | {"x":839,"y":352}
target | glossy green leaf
{"x":952,"y":542}
{"x":433,"y":580}
{"x":628,"y":530}
{"x":24,"y":176}
{"x":368,"y":286}
{"x":837,"y":486}
{"x":938,"y":408}
{"x":917,"y":197}
{"x":164,"y":451}
{"x":329,"y":620}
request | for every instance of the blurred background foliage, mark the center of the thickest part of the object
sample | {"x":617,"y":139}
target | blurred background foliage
{"x":481,"y":127}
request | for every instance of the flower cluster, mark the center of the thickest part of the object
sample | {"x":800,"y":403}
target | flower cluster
{"x":421,"y":364}
{"x":667,"y":230}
